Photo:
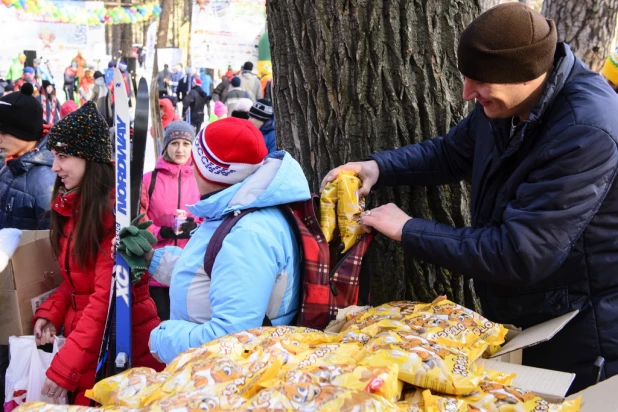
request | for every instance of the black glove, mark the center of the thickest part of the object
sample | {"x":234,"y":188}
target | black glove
{"x":186,"y":228}
{"x":167,"y":232}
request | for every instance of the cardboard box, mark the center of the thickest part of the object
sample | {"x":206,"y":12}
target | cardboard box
{"x":32,"y":271}
{"x":550,"y":385}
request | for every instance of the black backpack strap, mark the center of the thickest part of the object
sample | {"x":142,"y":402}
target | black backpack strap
{"x":216,"y":241}
{"x":153,"y":181}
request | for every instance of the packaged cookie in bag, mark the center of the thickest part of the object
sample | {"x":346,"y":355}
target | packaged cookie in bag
{"x":496,"y":398}
{"x":490,"y":332}
{"x":424,"y":363}
{"x":328,"y":210}
{"x":350,"y":205}
{"x":130,"y":388}
{"x":196,"y":400}
{"x":309,"y":395}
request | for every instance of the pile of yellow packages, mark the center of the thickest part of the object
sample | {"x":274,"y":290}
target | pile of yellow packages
{"x":401,"y":356}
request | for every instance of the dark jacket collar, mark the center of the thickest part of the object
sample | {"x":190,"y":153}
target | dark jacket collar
{"x":39,"y":156}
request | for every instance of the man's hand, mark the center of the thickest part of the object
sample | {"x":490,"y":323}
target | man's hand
{"x":44,"y":331}
{"x":388,"y":220}
{"x":52,"y":390}
{"x":368,"y":172}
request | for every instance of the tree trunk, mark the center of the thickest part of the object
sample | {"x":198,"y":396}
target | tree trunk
{"x":488,"y":4}
{"x":164,"y":22}
{"x":126,"y":42}
{"x":353,"y":77}
{"x":587,"y":26}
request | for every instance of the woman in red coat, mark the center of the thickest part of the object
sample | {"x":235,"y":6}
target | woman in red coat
{"x":82,"y":228}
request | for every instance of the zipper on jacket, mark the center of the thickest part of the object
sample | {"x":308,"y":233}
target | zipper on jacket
{"x":178,"y":207}
{"x":66,"y":261}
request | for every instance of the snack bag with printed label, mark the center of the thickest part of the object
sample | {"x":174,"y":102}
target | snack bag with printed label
{"x":130,"y":388}
{"x":424,"y":363}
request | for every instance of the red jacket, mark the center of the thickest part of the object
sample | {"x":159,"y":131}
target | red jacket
{"x":81,"y":302}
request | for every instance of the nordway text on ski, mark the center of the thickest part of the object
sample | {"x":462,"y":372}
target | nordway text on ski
{"x":122,"y":150}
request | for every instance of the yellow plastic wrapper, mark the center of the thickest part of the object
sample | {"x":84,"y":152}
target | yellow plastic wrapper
{"x":412,"y":400}
{"x":47,"y":407}
{"x":493,"y":397}
{"x":427,"y":365}
{"x":219,"y":375}
{"x":381,"y":381}
{"x":498,"y":377}
{"x":237,"y":345}
{"x":393,"y":310}
{"x":350,"y":205}
{"x":328,"y":214}
{"x":491,"y":333}
{"x":198,"y":400}
{"x":310,"y":396}
{"x":323,"y":354}
{"x":129,"y":388}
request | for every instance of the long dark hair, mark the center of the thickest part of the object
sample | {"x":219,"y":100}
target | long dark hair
{"x":93,"y":195}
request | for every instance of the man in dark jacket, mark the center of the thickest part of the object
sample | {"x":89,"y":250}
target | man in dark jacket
{"x":26,"y":178}
{"x":540,"y":149}
{"x":193,"y":105}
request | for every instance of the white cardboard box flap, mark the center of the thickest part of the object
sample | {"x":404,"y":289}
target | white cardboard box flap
{"x":536,"y":334}
{"x":550,"y":385}
{"x":601,"y":397}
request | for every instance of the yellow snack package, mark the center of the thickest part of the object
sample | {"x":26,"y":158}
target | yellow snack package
{"x":328,"y":214}
{"x":380,"y":380}
{"x":130,"y":388}
{"x":220,"y":375}
{"x":308,"y":395}
{"x":393,"y":310}
{"x":185,"y":357}
{"x":496,"y":398}
{"x":323,"y":354}
{"x":491,"y":333}
{"x":197,"y":400}
{"x":412,"y":400}
{"x":498,"y":377}
{"x":48,"y":407}
{"x":350,"y":205}
{"x":427,"y":365}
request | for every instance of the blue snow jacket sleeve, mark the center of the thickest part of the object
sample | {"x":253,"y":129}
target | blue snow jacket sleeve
{"x":438,"y":161}
{"x":551,"y":210}
{"x":233,"y":292}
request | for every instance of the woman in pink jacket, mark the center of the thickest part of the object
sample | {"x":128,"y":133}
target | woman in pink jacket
{"x":166,"y":190}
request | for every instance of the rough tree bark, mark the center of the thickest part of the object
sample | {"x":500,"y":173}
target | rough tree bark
{"x":488,"y":4}
{"x":164,"y":23}
{"x":354,"y":77}
{"x":588,"y":26}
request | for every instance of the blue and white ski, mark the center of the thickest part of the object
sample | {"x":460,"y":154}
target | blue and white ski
{"x":122,"y":271}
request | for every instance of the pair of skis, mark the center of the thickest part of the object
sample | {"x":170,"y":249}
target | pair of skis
{"x":116,"y":350}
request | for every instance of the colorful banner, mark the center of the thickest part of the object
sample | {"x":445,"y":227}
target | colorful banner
{"x":226,"y":32}
{"x":55,"y":12}
{"x":56,"y":43}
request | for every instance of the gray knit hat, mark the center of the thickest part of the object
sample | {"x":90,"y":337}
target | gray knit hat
{"x":178,"y":130}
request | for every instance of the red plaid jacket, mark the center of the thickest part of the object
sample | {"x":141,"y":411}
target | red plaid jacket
{"x":328,"y":284}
